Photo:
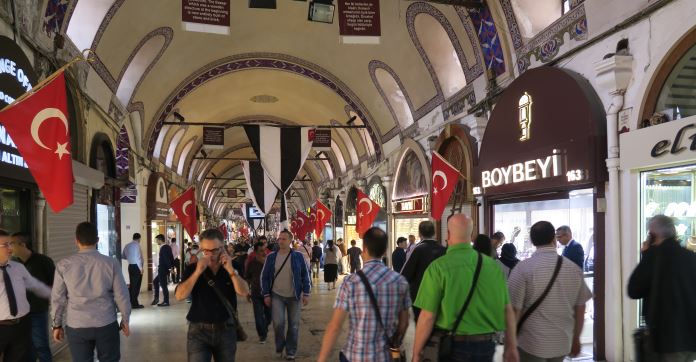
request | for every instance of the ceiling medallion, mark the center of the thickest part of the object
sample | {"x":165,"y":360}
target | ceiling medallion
{"x":264,"y":98}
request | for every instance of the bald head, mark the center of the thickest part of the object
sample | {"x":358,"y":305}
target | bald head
{"x":459,"y":227}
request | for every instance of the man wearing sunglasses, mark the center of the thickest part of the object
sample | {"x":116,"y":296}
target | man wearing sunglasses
{"x":212,"y":330}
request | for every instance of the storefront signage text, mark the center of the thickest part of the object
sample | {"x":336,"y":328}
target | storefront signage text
{"x":523,"y":171}
{"x":9,"y":157}
{"x":661,"y":147}
{"x":410,"y":206}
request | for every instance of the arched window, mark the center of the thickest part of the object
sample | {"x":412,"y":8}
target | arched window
{"x":145,"y":56}
{"x":533,"y":16}
{"x":393,"y":94}
{"x":339,"y":156}
{"x":441,"y":54}
{"x":364,"y":135}
{"x":85,"y":21}
{"x":677,"y":98}
{"x":352,"y":152}
{"x":160,"y":140}
{"x":184,"y":154}
{"x":173,"y":144}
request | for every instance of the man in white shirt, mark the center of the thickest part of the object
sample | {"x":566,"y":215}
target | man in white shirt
{"x":133,"y":254}
{"x":15,"y":325}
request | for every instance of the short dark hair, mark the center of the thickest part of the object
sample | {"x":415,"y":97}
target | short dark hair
{"x":375,"y":241}
{"x":173,"y":240}
{"x":400,"y":240}
{"x":86,"y":233}
{"x":160,"y":237}
{"x":136,"y":236}
{"x":482,"y":244}
{"x":352,"y":242}
{"x":3,"y":232}
{"x":316,"y":243}
{"x":258,"y":245}
{"x":542,"y":233}
{"x":498,"y":235}
{"x":565,"y":229}
{"x":262,"y":237}
{"x":195,"y":246}
{"x":426,"y":229}
{"x":286,"y":231}
{"x":212,"y":234}
{"x":24,"y":238}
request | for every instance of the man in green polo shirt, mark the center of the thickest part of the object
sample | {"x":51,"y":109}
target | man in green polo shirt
{"x":444,"y":289}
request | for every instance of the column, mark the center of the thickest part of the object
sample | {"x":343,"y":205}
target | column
{"x":40,"y":227}
{"x":388,"y":182}
{"x":614,"y":74}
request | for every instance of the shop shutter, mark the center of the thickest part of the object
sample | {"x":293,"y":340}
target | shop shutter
{"x":60,"y":228}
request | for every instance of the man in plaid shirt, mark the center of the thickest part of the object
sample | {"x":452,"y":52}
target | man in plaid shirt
{"x":366,"y":339}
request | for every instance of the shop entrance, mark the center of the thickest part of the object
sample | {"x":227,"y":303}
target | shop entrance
{"x":14,"y":209}
{"x":573,"y":209}
{"x":106,"y":229}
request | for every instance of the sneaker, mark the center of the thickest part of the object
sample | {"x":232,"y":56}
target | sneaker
{"x":155,"y":302}
{"x":262,"y":341}
{"x":165,"y":304}
{"x":290,"y":357}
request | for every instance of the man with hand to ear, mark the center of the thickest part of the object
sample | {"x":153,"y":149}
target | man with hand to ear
{"x":212,"y":330}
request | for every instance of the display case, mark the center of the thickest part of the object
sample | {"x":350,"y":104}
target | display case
{"x":670,"y":192}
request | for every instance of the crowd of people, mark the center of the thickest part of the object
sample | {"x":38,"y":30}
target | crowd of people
{"x":466,"y":296}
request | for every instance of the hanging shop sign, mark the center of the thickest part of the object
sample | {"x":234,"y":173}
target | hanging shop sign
{"x":214,"y":138}
{"x":668,"y":143}
{"x":232,"y":194}
{"x":359,"y":18}
{"x":157,"y":200}
{"x":410,"y":206}
{"x":322,"y":139}
{"x":16,"y":78}
{"x":547,"y":131}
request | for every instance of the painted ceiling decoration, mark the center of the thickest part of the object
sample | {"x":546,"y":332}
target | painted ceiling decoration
{"x":488,"y":37}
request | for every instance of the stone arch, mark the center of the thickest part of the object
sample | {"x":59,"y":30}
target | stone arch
{"x":409,"y":145}
{"x":393,"y":92}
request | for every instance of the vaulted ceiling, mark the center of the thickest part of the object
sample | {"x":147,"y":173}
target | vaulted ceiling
{"x":276,"y":66}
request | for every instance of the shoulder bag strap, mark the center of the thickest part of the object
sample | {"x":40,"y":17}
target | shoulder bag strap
{"x":542,"y":296}
{"x":226,"y":303}
{"x":471,"y":294}
{"x":373,"y":301}
{"x":279,"y":270}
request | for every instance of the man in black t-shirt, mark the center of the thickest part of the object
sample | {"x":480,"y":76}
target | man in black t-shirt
{"x":252,"y":273}
{"x":354,"y":257}
{"x":42,"y":268}
{"x":212,"y":330}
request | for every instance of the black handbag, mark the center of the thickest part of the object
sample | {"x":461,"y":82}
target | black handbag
{"x":234,"y":318}
{"x":543,"y":295}
{"x":393,"y":342}
{"x":439,"y":345}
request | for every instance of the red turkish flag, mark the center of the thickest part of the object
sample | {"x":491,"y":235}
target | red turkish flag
{"x":367,"y":211}
{"x":293,"y":226}
{"x":444,"y":180}
{"x":185,"y":209}
{"x":303,"y":225}
{"x":323,"y":216}
{"x":312,"y":220}
{"x":39,"y":128}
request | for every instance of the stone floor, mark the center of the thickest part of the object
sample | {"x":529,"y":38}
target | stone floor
{"x":159,"y":334}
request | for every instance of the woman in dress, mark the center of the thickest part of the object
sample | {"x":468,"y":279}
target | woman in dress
{"x":331,"y":259}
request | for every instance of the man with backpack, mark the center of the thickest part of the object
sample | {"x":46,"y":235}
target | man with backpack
{"x":376,"y":301}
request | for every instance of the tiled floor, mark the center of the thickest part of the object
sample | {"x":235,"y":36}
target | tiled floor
{"x":159,"y":334}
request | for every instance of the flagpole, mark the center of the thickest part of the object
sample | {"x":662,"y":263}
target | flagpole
{"x":450,"y":165}
{"x":89,"y":58}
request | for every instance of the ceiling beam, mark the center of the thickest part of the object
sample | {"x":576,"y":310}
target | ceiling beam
{"x":251,"y":158}
{"x":204,"y":124}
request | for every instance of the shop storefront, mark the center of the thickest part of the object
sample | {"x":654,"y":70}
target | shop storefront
{"x":410,"y":194}
{"x":542,"y":158}
{"x":18,"y":190}
{"x":351,"y":204}
{"x":106,"y":200}
{"x":658,"y":161}
{"x":338,"y":220}
{"x":378,"y":194}
{"x":157,"y":214}
{"x":455,"y":146}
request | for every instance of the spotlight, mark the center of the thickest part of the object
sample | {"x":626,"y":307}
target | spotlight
{"x":179,"y":117}
{"x":351,"y":120}
{"x":321,"y":11}
{"x":205,"y":154}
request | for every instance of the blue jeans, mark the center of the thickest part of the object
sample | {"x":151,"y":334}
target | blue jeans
{"x":472,"y":352}
{"x":82,"y":342}
{"x":204,"y":342}
{"x":281,"y":306}
{"x":262,"y":316}
{"x":39,"y":337}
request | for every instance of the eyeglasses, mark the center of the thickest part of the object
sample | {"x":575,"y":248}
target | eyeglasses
{"x":211,"y":250}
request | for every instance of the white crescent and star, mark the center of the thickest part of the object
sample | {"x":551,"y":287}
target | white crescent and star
{"x":444,"y":180}
{"x":39,"y":119}
{"x":321,"y":212}
{"x":184,"y":206}
{"x":301,"y":221}
{"x":369,"y":204}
